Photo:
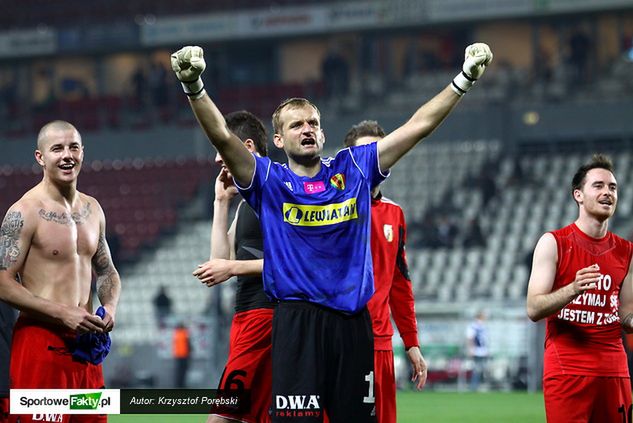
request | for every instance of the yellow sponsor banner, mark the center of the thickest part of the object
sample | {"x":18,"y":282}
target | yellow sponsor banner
{"x":312,"y":215}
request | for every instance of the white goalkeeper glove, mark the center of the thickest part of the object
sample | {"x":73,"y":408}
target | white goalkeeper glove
{"x":477,"y":57}
{"x":188,"y":64}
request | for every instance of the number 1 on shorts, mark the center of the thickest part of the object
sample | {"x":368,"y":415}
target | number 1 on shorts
{"x":370,"y":396}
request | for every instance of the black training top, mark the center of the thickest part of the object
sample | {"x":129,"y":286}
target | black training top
{"x":249,"y":245}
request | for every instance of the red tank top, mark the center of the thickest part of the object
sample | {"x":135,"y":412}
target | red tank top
{"x":584,"y":338}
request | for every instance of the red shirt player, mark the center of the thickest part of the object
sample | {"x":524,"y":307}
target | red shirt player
{"x":393,"y":294}
{"x":581,"y":282}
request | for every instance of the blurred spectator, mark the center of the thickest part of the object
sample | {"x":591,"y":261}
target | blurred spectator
{"x":429,"y":60}
{"x":449,"y":52}
{"x":423,"y":234}
{"x":419,"y":60}
{"x":139,"y":85}
{"x":477,"y":339}
{"x":162,"y":306}
{"x":488,"y":186}
{"x":159,"y":85}
{"x":74,"y":89}
{"x":579,"y":50}
{"x":446,"y":231}
{"x":335,"y":73}
{"x":44,"y":98}
{"x":8,"y":95}
{"x":518,"y":176}
{"x":474,"y":237}
{"x":181,"y":350}
{"x":544,"y":70}
{"x":411,"y":64}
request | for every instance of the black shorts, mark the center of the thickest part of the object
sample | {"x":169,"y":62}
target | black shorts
{"x":323,"y":361}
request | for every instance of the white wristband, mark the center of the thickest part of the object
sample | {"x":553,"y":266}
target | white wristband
{"x":462,"y":83}
{"x":194,"y":89}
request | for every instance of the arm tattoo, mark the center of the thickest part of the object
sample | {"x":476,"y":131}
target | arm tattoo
{"x":64,"y":219}
{"x":101,"y":260}
{"x":9,"y":235}
{"x":107,"y":277}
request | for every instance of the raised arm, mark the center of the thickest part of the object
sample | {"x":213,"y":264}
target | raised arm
{"x":108,"y":280}
{"x":221,"y":241}
{"x":541,"y":301}
{"x":626,"y":302}
{"x":16,"y":232}
{"x":428,"y":117}
{"x":188,"y":64}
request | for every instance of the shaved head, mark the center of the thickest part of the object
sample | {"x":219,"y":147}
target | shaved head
{"x":54,"y":126}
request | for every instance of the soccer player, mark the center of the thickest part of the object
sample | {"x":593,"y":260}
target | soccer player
{"x":393,"y":293}
{"x":581,"y":282}
{"x":52,"y":240}
{"x":315,"y":218}
{"x":238,"y":251}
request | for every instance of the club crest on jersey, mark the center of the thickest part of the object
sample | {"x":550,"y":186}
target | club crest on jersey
{"x":388,"y":231}
{"x":338,"y":181}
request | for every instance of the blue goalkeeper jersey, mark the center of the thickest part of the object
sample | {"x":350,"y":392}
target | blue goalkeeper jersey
{"x":317,"y":230}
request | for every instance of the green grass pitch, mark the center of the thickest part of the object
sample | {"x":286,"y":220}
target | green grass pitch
{"x":421,"y":407}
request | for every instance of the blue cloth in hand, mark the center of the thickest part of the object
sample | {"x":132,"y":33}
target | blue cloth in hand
{"x":92,"y":347}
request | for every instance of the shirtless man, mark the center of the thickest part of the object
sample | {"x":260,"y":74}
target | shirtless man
{"x":51,"y":240}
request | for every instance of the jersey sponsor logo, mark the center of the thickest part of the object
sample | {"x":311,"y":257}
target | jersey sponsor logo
{"x":338,"y":181}
{"x":388,"y":231}
{"x":312,"y":215}
{"x":313,"y":187}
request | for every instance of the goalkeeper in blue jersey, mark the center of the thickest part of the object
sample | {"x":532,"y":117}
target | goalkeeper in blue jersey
{"x":315,"y":217}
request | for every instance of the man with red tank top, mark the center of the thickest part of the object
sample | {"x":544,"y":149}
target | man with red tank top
{"x":582,"y":284}
{"x":393,"y":293}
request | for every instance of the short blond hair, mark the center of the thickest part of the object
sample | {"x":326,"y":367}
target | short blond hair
{"x":291,"y":103}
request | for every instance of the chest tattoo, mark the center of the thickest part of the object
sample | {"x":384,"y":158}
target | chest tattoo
{"x":66,"y":219}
